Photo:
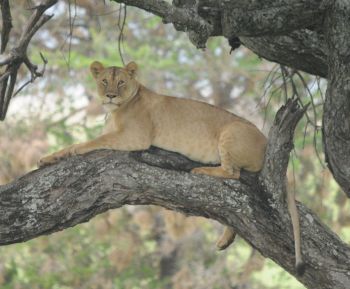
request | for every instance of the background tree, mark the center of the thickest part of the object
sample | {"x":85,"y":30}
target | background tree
{"x":208,"y":86}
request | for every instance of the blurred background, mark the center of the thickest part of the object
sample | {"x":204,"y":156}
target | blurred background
{"x":149,"y":247}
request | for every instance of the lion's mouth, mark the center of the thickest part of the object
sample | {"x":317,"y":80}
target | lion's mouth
{"x":111,"y":103}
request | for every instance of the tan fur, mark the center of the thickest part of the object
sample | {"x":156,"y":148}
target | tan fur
{"x":140,"y":118}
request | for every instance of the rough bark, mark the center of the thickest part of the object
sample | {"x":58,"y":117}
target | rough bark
{"x":336,"y":118}
{"x":272,"y":17}
{"x":287,"y":32}
{"x":73,"y":191}
{"x":304,"y":50}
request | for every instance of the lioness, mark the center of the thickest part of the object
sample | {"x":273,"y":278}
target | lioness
{"x":139,"y":118}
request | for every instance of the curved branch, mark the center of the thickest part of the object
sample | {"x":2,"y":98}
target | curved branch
{"x":336,"y":117}
{"x":304,"y":50}
{"x":76,"y":189}
{"x":286,"y":32}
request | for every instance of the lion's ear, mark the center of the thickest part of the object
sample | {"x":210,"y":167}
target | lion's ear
{"x":96,"y":68}
{"x":131,"y":68}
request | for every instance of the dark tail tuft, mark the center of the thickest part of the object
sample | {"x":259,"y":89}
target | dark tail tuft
{"x":300,"y":268}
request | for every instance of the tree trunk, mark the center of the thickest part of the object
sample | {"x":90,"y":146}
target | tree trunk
{"x":336,"y":117}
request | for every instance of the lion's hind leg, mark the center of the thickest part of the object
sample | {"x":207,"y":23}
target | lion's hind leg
{"x":239,"y":147}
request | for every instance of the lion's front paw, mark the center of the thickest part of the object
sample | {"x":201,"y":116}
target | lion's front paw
{"x":55,"y":157}
{"x":48,"y":160}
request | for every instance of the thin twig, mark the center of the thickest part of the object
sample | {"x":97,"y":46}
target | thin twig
{"x":312,"y":121}
{"x":310,"y":94}
{"x":304,"y":135}
{"x":121,"y":26}
{"x":105,"y":13}
{"x":284,"y":76}
{"x":34,"y":74}
{"x":272,"y":73}
{"x":316,"y":150}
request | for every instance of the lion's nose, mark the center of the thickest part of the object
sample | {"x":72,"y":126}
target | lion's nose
{"x":111,"y":96}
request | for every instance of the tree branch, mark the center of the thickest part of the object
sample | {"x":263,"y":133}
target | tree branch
{"x":336,"y":117}
{"x":76,"y":189}
{"x":272,"y":17}
{"x":189,"y":19}
{"x":6,"y":24}
{"x":280,"y":144}
{"x":18,"y":55}
{"x":304,"y":50}
{"x":286,"y":32}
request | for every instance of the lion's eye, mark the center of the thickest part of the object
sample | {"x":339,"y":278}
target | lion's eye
{"x":121,"y":82}
{"x":104,"y":82}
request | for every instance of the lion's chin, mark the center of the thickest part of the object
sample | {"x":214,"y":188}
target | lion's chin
{"x":109,"y":107}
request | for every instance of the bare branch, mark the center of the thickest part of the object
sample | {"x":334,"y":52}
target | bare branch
{"x":6,"y":24}
{"x":31,"y":30}
{"x":3,"y":87}
{"x":18,"y":55}
{"x":121,"y":26}
{"x":279,"y":146}
{"x":34,"y":73}
{"x":336,"y":117}
{"x":9,"y":91}
{"x":75,"y":190}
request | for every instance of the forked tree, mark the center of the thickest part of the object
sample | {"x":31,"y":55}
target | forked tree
{"x":311,"y":36}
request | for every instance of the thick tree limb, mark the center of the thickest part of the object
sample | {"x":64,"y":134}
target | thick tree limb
{"x":304,"y":50}
{"x":336,"y":117}
{"x":73,"y":191}
{"x":272,"y":17}
{"x":189,"y":19}
{"x":286,"y":32}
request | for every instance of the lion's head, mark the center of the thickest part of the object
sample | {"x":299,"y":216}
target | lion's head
{"x":116,"y":85}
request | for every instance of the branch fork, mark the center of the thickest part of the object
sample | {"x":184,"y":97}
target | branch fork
{"x":18,"y":55}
